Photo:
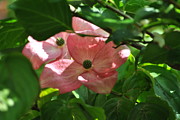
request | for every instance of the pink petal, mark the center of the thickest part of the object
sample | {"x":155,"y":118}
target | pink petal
{"x":108,"y":58}
{"x":84,"y":48}
{"x":98,"y":83}
{"x":62,"y":74}
{"x":64,"y":36}
{"x":41,"y":52}
{"x":85,"y":27}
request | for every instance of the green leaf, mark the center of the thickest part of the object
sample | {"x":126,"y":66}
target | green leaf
{"x":118,"y":108}
{"x":12,"y":34}
{"x":56,"y":110}
{"x":47,"y":95}
{"x":148,"y":111}
{"x":89,"y":2}
{"x":166,"y":85}
{"x":30,"y":115}
{"x":133,"y":5}
{"x":43,"y":18}
{"x":173,"y":45}
{"x":149,"y":97}
{"x":86,"y":95}
{"x":145,"y":13}
{"x":19,"y":85}
{"x":89,"y":97}
{"x":82,"y":111}
{"x":136,"y":84}
{"x":164,"y":104}
{"x":124,"y":72}
{"x":168,"y":54}
{"x":105,"y":19}
{"x":125,"y":33}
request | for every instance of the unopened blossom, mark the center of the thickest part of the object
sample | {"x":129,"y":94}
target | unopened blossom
{"x":39,"y":52}
{"x":93,"y":62}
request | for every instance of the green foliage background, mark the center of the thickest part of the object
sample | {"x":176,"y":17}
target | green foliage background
{"x":148,"y":86}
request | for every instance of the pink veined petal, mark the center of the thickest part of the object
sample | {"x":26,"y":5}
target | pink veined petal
{"x":85,"y":27}
{"x":41,"y":52}
{"x":108,"y":58}
{"x":84,"y":48}
{"x":64,"y":36}
{"x":61,"y":74}
{"x":44,"y":51}
{"x":99,"y":84}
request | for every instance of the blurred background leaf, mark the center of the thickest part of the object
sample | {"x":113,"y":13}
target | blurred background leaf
{"x":19,"y":86}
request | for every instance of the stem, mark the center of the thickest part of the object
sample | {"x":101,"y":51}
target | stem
{"x":137,"y":46}
{"x":114,"y":9}
{"x":116,"y":93}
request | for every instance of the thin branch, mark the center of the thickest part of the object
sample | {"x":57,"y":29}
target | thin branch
{"x":114,"y":9}
{"x":122,"y":14}
{"x":137,"y":46}
{"x":116,"y":93}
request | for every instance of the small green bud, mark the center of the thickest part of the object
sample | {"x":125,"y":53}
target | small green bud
{"x":87,"y":64}
{"x":60,"y":41}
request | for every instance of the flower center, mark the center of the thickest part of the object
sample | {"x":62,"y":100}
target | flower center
{"x":60,"y":41}
{"x":87,"y":64}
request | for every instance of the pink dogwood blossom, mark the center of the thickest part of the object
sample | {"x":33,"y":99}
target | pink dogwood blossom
{"x":94,"y":62}
{"x":39,"y":52}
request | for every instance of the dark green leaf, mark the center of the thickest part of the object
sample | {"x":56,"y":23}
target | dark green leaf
{"x":82,"y":111}
{"x":124,"y":33}
{"x":43,"y":18}
{"x":124,"y":72}
{"x":12,"y":34}
{"x":166,"y":85}
{"x":149,"y":97}
{"x":86,"y":95}
{"x":31,"y":115}
{"x":118,"y":108}
{"x":56,"y":110}
{"x":148,"y":111}
{"x":19,"y":86}
{"x":136,"y":84}
{"x":155,"y":54}
{"x":173,"y":45}
{"x":103,"y":20}
{"x":89,"y":2}
{"x":169,"y":54}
